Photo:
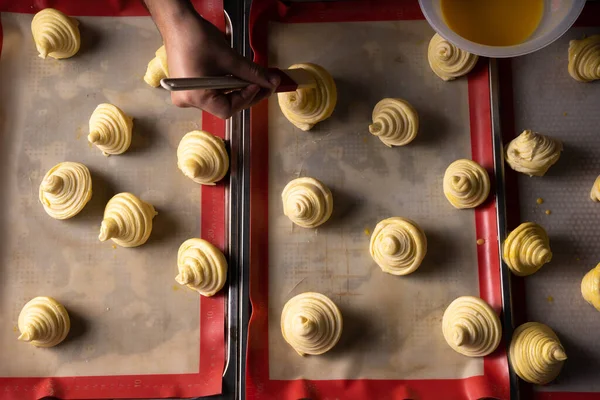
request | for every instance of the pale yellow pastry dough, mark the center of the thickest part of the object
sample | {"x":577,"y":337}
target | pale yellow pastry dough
{"x":532,"y":153}
{"x":307,"y":202}
{"x":157,"y":68}
{"x":44,"y":322}
{"x":110,"y":129}
{"x":536,"y":354}
{"x":127,"y":220}
{"x":590,"y":287}
{"x":448,"y":61}
{"x":307,"y":106}
{"x":55,"y":34}
{"x":398,"y":245}
{"x":584,"y":59}
{"x":471,"y":327}
{"x":66,"y":189}
{"x":311,"y":323}
{"x":395,"y":122}
{"x":202,"y":157}
{"x":466,"y":184}
{"x":595,"y":192}
{"x":526,"y":249}
{"x":202,"y":267}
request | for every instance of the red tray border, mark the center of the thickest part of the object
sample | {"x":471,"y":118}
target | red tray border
{"x":495,"y":382}
{"x":208,"y":380}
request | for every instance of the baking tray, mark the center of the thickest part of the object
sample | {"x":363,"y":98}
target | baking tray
{"x":77,"y":369}
{"x":364,"y":45}
{"x":538,"y":93}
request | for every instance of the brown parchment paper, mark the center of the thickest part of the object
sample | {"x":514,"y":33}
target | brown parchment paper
{"x":548,"y":100}
{"x":128,"y":314}
{"x":392,"y":325}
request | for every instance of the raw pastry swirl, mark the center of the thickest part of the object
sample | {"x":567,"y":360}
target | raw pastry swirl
{"x":395,"y":122}
{"x":590,"y":287}
{"x":536,"y":354}
{"x":595,"y":192}
{"x":202,"y":157}
{"x":127,"y":220}
{"x":311,"y":323}
{"x":307,"y":106}
{"x":110,"y":129}
{"x":398,"y":245}
{"x":527,"y":249}
{"x":157,"y":68}
{"x":66,"y":189}
{"x":202,"y":267}
{"x":466,"y":184}
{"x":307,"y":202}
{"x":532,"y":153}
{"x":44,"y":322}
{"x":584,"y":59}
{"x":448,"y":61}
{"x":55,"y":34}
{"x":471,"y":327}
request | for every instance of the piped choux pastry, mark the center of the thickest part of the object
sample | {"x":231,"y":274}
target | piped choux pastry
{"x":157,"y":68}
{"x":526,"y":249}
{"x":448,"y":61}
{"x":66,"y":189}
{"x":466,"y":184}
{"x":202,"y":157}
{"x":110,"y":129}
{"x":590,"y":287}
{"x":202,"y":267}
{"x":127,"y":220}
{"x":584,"y":59}
{"x":307,"y":202}
{"x":595,"y":192}
{"x":533,"y":153}
{"x":44,"y":322}
{"x":55,"y":34}
{"x":395,"y":122}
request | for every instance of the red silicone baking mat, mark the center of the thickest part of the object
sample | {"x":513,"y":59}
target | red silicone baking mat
{"x":539,"y":94}
{"x":265,"y":381}
{"x":209,"y":346}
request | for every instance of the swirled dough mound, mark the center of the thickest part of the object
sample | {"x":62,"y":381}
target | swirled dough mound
{"x":66,"y":189}
{"x":307,"y":106}
{"x":127,"y":220}
{"x":466,"y":184}
{"x":536,"y":354}
{"x":584,"y":59}
{"x":157,"y":68}
{"x":55,"y":34}
{"x":471,"y":327}
{"x":307,"y":202}
{"x":526,"y":249}
{"x":44,"y":322}
{"x":590,"y":287}
{"x":202,"y":157}
{"x":398,"y":245}
{"x":110,"y":129}
{"x":395,"y":122}
{"x":311,"y":323}
{"x":202,"y":267}
{"x":532,"y":153}
{"x":595,"y":192}
{"x":448,"y":61}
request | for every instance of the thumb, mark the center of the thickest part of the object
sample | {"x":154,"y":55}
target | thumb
{"x":252,"y":72}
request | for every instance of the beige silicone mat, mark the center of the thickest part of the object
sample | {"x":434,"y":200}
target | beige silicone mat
{"x":394,"y":322}
{"x":548,"y":100}
{"x":128,"y":314}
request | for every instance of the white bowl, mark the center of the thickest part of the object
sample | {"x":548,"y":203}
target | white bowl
{"x":558,"y":17}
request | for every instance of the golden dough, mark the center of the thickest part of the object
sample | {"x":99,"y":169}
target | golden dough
{"x":536,"y":354}
{"x":110,"y":129}
{"x":590,"y":287}
{"x":44,"y":322}
{"x":307,"y":202}
{"x":448,"y":61}
{"x":311,"y":323}
{"x":307,"y":106}
{"x":395,"y":122}
{"x":532,"y":153}
{"x":157,"y":68}
{"x":595,"y":192}
{"x":202,"y":157}
{"x":466,"y":184}
{"x":55,"y":34}
{"x":127,"y":220}
{"x":202,"y":267}
{"x":584,"y":59}
{"x":398,"y":246}
{"x":471,"y":327}
{"x":526,"y":249}
{"x":66,"y":189}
